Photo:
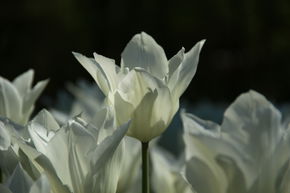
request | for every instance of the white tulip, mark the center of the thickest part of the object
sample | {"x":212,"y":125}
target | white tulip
{"x":130,"y":180}
{"x":90,"y":104}
{"x":76,"y":157}
{"x":166,"y":175}
{"x":146,"y":88}
{"x":248,"y":153}
{"x":17,"y":98}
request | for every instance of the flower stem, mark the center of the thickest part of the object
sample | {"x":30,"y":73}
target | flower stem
{"x":145,"y":168}
{"x":0,"y":176}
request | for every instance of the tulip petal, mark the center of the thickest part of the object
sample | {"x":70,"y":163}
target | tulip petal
{"x":205,"y":141}
{"x":30,"y":98}
{"x":106,"y":163}
{"x":257,"y":125}
{"x":19,"y":182}
{"x":123,"y":109}
{"x":95,"y":71}
{"x":55,"y":150}
{"x":136,"y":84}
{"x":5,"y":139}
{"x":107,"y":147}
{"x":10,"y":101}
{"x":130,"y":166}
{"x":45,"y":119}
{"x":80,"y":143}
{"x":152,"y":115}
{"x":141,"y":126}
{"x":202,"y":177}
{"x":55,"y":182}
{"x":142,"y":51}
{"x":23,"y":82}
{"x":175,"y":61}
{"x":109,"y":68}
{"x":234,"y":174}
{"x":182,"y":76}
{"x":41,"y":185}
{"x":166,"y":175}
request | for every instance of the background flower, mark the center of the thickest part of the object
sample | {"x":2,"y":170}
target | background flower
{"x":76,"y":157}
{"x":17,"y":98}
{"x":249,"y":152}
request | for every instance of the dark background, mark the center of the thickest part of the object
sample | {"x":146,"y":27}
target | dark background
{"x":248,"y":42}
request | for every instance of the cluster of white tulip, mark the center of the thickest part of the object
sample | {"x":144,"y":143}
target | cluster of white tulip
{"x":95,"y":148}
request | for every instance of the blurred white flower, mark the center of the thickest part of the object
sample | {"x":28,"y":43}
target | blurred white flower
{"x":146,"y":88}
{"x":166,"y":173}
{"x":21,"y":182}
{"x":248,"y":153}
{"x":130,"y":180}
{"x":17,"y":98}
{"x":77,"y":157}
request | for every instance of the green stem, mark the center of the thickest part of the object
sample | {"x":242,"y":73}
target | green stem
{"x":0,"y":176}
{"x":145,"y":168}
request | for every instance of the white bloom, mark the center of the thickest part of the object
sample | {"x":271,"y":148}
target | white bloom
{"x":89,"y":103}
{"x":146,"y":88}
{"x":77,"y":157}
{"x":166,"y":173}
{"x":17,"y":98}
{"x":130,"y":180}
{"x":248,"y":153}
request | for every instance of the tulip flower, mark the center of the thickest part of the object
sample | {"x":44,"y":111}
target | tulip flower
{"x":76,"y":157}
{"x":130,"y":167}
{"x":248,"y":153}
{"x":90,"y":104}
{"x":147,"y":86}
{"x":17,"y":100}
{"x":166,"y":175}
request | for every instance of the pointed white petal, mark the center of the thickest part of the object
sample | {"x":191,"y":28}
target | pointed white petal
{"x":175,"y":61}
{"x":31,"y":96}
{"x":95,"y":71}
{"x":23,"y":82}
{"x":123,"y":109}
{"x":109,"y":68}
{"x":45,"y":119}
{"x":56,"y":184}
{"x":142,"y":51}
{"x":10,"y":101}
{"x":182,"y":76}
{"x":106,"y":163}
{"x":107,"y":147}
{"x":19,"y":182}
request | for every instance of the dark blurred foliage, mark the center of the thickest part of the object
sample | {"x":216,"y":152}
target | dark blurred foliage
{"x":248,"y":42}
